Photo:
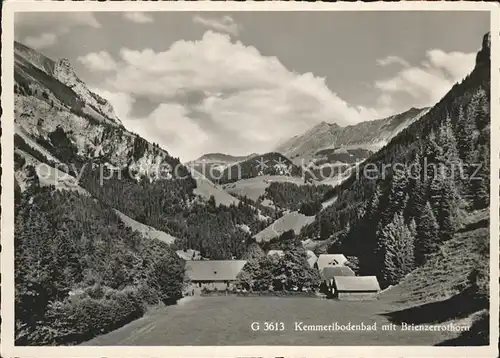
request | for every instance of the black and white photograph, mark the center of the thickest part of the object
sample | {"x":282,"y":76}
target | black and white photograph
{"x":240,"y":178}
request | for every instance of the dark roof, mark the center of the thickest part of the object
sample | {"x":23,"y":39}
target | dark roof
{"x":330,"y":272}
{"x":356,"y":283}
{"x":208,"y":270}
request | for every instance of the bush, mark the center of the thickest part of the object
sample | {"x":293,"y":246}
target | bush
{"x":81,"y":317}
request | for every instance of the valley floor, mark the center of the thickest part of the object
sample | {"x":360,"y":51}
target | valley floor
{"x":227,"y":321}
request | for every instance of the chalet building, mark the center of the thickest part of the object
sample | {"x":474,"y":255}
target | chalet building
{"x":328,"y":276}
{"x":355,"y":287}
{"x":330,"y":260}
{"x":311,"y":256}
{"x":213,"y":274}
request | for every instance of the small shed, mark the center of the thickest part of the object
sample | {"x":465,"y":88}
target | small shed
{"x":355,"y":287}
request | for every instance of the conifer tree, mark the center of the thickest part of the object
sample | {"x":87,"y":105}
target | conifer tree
{"x":426,"y":238}
{"x":397,"y":198}
{"x":478,"y":109}
{"x":448,"y":157}
{"x":480,"y":178}
{"x":432,"y":151}
{"x":366,"y":230}
{"x":253,"y":252}
{"x":396,"y":246}
{"x":466,"y":136}
{"x":417,"y":200}
{"x":447,"y":205}
{"x":431,"y":168}
{"x":443,"y":190}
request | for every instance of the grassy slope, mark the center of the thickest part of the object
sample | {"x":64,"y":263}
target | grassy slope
{"x":291,"y":221}
{"x":205,"y":189}
{"x":443,"y":290}
{"x":227,"y":321}
{"x":146,"y":231}
{"x":445,"y":274}
{"x":434,"y":294}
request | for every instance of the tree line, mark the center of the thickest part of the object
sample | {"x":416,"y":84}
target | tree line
{"x":290,"y":196}
{"x":80,"y":272}
{"x":394,"y":223}
{"x":287,"y":272}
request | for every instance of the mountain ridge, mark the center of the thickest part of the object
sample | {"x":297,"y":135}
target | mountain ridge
{"x":62,"y":71}
{"x":366,"y":135}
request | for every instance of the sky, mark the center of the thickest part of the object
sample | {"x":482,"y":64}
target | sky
{"x":241,"y":82}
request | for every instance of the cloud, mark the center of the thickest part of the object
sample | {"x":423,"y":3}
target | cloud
{"x":168,"y":124}
{"x":217,"y":94}
{"x":42,"y":29}
{"x":98,"y":61}
{"x":41,"y":41}
{"x":456,"y":64}
{"x":428,"y":82}
{"x":391,"y":60}
{"x":228,"y":93}
{"x":223,"y":24}
{"x":138,"y":17}
{"x":121,"y":102}
{"x":56,"y":21}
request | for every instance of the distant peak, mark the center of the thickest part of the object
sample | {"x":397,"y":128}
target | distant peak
{"x":487,"y":40}
{"x":483,"y":56}
{"x":325,"y":124}
{"x":417,"y":109}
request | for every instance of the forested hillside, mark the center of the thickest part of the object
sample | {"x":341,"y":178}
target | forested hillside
{"x":267,"y":164}
{"x":80,"y":269}
{"x":289,"y":196}
{"x":212,"y":165}
{"x":392,"y":217}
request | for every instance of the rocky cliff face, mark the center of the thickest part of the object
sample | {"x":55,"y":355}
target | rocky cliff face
{"x":483,"y":56}
{"x":64,"y":73}
{"x":33,"y":66}
{"x":35,"y":58}
{"x":56,"y":113}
